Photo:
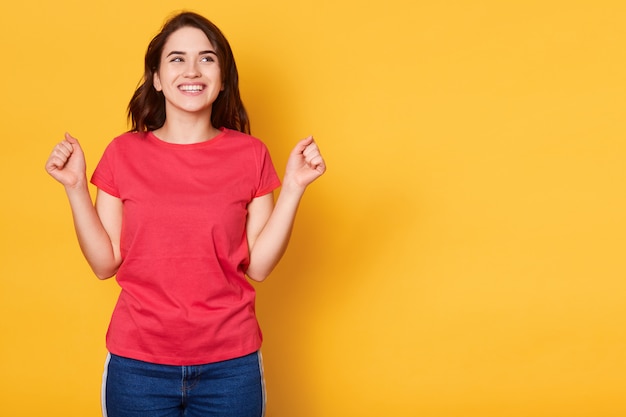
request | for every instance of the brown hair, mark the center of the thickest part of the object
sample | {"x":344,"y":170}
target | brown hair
{"x":146,"y":110}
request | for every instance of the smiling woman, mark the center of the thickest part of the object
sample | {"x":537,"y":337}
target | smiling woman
{"x":190,"y":79}
{"x":184,"y":214}
{"x":147,"y":107}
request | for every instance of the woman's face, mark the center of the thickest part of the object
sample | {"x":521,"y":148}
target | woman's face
{"x":189,"y":75}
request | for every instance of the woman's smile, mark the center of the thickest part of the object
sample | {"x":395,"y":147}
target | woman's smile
{"x":191,"y":88}
{"x":189,"y":74}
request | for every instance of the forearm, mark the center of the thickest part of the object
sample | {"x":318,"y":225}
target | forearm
{"x":93,"y":239}
{"x":272,"y":242}
{"x":305,"y":164}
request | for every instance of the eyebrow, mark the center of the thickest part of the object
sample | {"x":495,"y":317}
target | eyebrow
{"x":208,"y":51}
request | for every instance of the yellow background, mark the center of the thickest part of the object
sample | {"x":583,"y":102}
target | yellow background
{"x":464,"y":254}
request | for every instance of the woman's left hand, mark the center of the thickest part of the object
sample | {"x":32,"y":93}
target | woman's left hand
{"x":305,"y":164}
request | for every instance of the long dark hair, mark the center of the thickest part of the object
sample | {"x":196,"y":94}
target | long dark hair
{"x":146,"y":110}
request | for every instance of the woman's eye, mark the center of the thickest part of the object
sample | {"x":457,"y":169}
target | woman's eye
{"x":176,"y":59}
{"x":207,"y":59}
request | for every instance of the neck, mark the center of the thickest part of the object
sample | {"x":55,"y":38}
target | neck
{"x":187,"y":130}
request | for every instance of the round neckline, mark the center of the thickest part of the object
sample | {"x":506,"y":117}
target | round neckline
{"x":153,"y":138}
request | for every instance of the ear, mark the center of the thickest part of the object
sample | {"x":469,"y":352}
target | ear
{"x":156,"y":81}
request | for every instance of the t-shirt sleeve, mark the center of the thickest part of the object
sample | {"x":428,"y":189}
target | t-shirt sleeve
{"x":103,"y":176}
{"x":268,"y":178}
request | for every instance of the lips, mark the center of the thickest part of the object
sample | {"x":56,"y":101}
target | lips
{"x":193,"y":88}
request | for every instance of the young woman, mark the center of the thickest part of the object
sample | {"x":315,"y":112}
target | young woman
{"x":184,"y":212}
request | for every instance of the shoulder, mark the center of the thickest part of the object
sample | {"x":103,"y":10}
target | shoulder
{"x":244,"y":139}
{"x":126,"y":140}
{"x":129,"y":138}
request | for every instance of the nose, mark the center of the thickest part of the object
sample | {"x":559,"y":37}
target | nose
{"x":192,"y":70}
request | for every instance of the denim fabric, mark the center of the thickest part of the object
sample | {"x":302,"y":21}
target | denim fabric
{"x":232,"y":388}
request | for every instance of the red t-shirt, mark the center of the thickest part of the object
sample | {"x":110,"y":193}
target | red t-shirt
{"x":185,"y":299}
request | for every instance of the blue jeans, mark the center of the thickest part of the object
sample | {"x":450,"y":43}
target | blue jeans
{"x":232,"y":388}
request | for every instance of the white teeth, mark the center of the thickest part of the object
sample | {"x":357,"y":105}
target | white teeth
{"x":191,"y":87}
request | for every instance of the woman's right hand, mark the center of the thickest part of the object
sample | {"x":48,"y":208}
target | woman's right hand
{"x":66,"y":163}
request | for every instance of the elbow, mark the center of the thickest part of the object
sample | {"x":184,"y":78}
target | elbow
{"x":102,"y":276}
{"x":257,"y":269}
{"x":256,"y":276}
{"x":261,"y":266}
{"x":103,"y":273}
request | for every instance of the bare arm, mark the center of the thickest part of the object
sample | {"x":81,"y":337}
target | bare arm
{"x":98,"y":227}
{"x":269,"y":227}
